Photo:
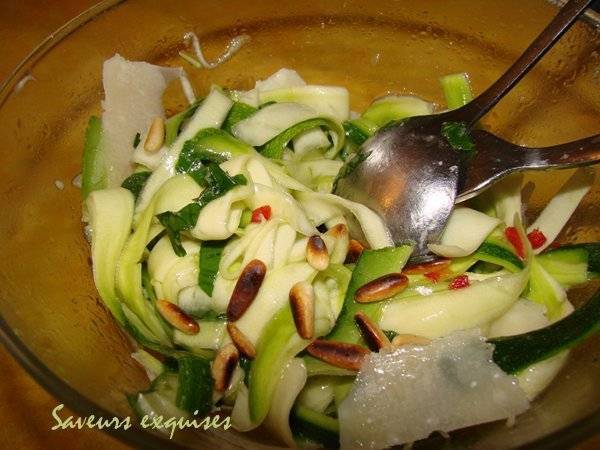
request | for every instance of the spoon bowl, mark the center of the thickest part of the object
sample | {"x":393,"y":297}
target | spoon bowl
{"x":410,"y":177}
{"x":412,"y":172}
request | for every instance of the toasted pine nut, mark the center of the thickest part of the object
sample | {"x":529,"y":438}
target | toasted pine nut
{"x":223,"y":366}
{"x":373,"y":335}
{"x":156,"y":136}
{"x":302,"y":301}
{"x":338,"y":231}
{"x":339,"y":354}
{"x":246,"y":289}
{"x":355,"y":249}
{"x":177,"y":317}
{"x":381,"y":288}
{"x":316,"y":253}
{"x":241,"y":341}
{"x":405,"y":339}
{"x":433,"y":266}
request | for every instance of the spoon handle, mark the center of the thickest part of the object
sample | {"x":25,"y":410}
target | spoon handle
{"x":498,"y":158}
{"x":478,"y":107}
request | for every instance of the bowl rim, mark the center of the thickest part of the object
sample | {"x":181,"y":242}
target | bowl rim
{"x":80,"y":404}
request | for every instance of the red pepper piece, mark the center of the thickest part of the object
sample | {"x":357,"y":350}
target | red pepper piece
{"x":261,"y":213}
{"x":460,"y":282}
{"x":513,"y":237}
{"x":537,"y":238}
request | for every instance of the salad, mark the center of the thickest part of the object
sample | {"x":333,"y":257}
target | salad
{"x":250,"y":288}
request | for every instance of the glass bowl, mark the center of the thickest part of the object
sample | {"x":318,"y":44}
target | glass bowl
{"x":51,"y":318}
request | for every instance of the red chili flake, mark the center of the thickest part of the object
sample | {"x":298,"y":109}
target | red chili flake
{"x":537,"y":238}
{"x":513,"y":237}
{"x":433,"y":276}
{"x":261,"y":213}
{"x":460,"y":282}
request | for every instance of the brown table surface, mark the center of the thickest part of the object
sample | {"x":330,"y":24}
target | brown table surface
{"x":25,"y":408}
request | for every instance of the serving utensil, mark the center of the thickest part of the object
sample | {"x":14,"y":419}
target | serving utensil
{"x":414,"y":171}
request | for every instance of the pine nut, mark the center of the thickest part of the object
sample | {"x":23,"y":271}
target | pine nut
{"x":223,"y":366}
{"x":381,"y":288}
{"x":355,"y":249}
{"x":156,"y":136}
{"x":302,"y":301}
{"x":433,"y":266}
{"x":241,"y":341}
{"x":405,"y":339}
{"x":177,"y":317}
{"x":246,"y":289}
{"x":372,"y":334}
{"x":339,"y":354}
{"x":316,"y":253}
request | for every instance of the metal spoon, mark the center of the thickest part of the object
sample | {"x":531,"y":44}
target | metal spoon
{"x":412,"y":176}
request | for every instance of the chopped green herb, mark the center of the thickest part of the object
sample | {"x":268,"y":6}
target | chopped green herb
{"x":209,"y":145}
{"x":209,"y":259}
{"x":217,"y":183}
{"x":135,"y":182}
{"x":391,"y":334}
{"x":136,"y":140}
{"x":458,"y":136}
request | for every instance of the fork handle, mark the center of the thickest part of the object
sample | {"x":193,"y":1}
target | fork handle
{"x":496,"y":158}
{"x":478,"y":107}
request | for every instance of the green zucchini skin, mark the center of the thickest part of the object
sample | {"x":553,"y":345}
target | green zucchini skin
{"x":515,"y":353}
{"x":355,"y":134}
{"x":94,"y":175}
{"x":371,"y":265}
{"x":194,"y":392}
{"x":315,"y":426}
{"x":494,"y":253}
{"x":588,"y":253}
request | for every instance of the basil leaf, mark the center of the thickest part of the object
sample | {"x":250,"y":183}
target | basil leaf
{"x":209,"y":259}
{"x":458,"y":136}
{"x":135,"y":182}
{"x":217,"y":183}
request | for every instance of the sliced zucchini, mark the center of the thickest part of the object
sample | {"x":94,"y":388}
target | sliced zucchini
{"x":515,"y":353}
{"x":457,"y":90}
{"x":573,"y":264}
{"x":174,"y":123}
{"x":195,"y":385}
{"x":94,"y":174}
{"x":111,"y":214}
{"x":497,"y":252}
{"x":315,"y":426}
